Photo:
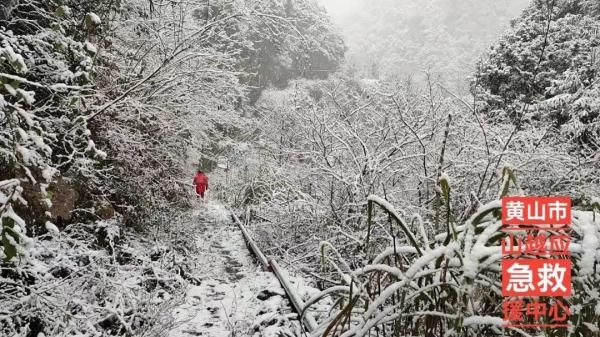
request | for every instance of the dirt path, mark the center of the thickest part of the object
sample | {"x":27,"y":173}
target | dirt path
{"x":235,"y":297}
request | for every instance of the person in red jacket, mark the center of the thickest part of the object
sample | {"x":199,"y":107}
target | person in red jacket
{"x":201,"y":183}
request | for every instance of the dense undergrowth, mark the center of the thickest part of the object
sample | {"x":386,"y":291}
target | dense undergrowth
{"x":324,"y":147}
{"x":327,"y":148}
{"x":96,"y":280}
{"x":424,"y":283}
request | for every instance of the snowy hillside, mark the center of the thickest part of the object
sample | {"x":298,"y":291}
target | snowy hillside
{"x":262,"y":168}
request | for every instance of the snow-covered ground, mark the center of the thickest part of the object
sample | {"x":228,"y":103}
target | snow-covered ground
{"x":235,"y":296}
{"x":197,"y":278}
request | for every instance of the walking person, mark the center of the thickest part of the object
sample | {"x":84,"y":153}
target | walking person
{"x":201,"y":184}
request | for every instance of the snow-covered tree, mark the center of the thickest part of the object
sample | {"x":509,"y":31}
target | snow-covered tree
{"x":46,"y":64}
{"x":544,"y":71}
{"x":275,"y":41}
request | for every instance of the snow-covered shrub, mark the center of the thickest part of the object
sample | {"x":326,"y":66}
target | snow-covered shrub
{"x":45,"y":79}
{"x":323,"y":147}
{"x":420,"y":283}
{"x":71,"y":285}
{"x":13,"y":230}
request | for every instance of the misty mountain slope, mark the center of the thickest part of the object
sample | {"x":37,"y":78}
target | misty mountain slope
{"x":381,"y":191}
{"x":391,"y":38}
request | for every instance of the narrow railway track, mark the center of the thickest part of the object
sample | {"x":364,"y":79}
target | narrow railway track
{"x":270,"y":264}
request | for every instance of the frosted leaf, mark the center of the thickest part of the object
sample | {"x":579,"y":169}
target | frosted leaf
{"x":590,"y":242}
{"x":59,"y":86}
{"x":48,"y":173}
{"x":24,"y":136}
{"x":43,"y":188}
{"x":39,"y":142}
{"x":26,"y":116}
{"x":90,"y":47}
{"x":27,"y":96}
{"x":91,"y":146}
{"x":15,"y":60}
{"x":63,"y":11}
{"x":92,"y":20}
{"x":591,"y":327}
{"x":95,"y":18}
{"x":51,"y":228}
{"x":11,"y":90}
{"x":10,"y":213}
{"x":483,"y":320}
{"x":100,"y":154}
{"x":26,"y":154}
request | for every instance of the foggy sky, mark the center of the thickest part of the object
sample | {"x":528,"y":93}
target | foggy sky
{"x":389,"y":37}
{"x":340,"y":8}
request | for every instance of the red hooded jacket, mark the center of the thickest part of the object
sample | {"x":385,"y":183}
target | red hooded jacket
{"x":201,"y":182}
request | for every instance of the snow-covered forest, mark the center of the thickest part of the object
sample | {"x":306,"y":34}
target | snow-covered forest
{"x":365,"y":146}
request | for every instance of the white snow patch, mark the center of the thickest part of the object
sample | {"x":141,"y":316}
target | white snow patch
{"x":48,"y":173}
{"x":226,"y":302}
{"x":27,"y":96}
{"x":90,"y":47}
{"x":483,"y":320}
{"x":52,"y":229}
{"x":11,"y":90}
{"x":95,"y":19}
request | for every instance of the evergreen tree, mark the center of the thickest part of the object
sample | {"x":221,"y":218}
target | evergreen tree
{"x":546,"y":68}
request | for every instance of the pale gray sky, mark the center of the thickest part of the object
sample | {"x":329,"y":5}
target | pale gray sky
{"x":340,"y":8}
{"x":389,"y":37}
